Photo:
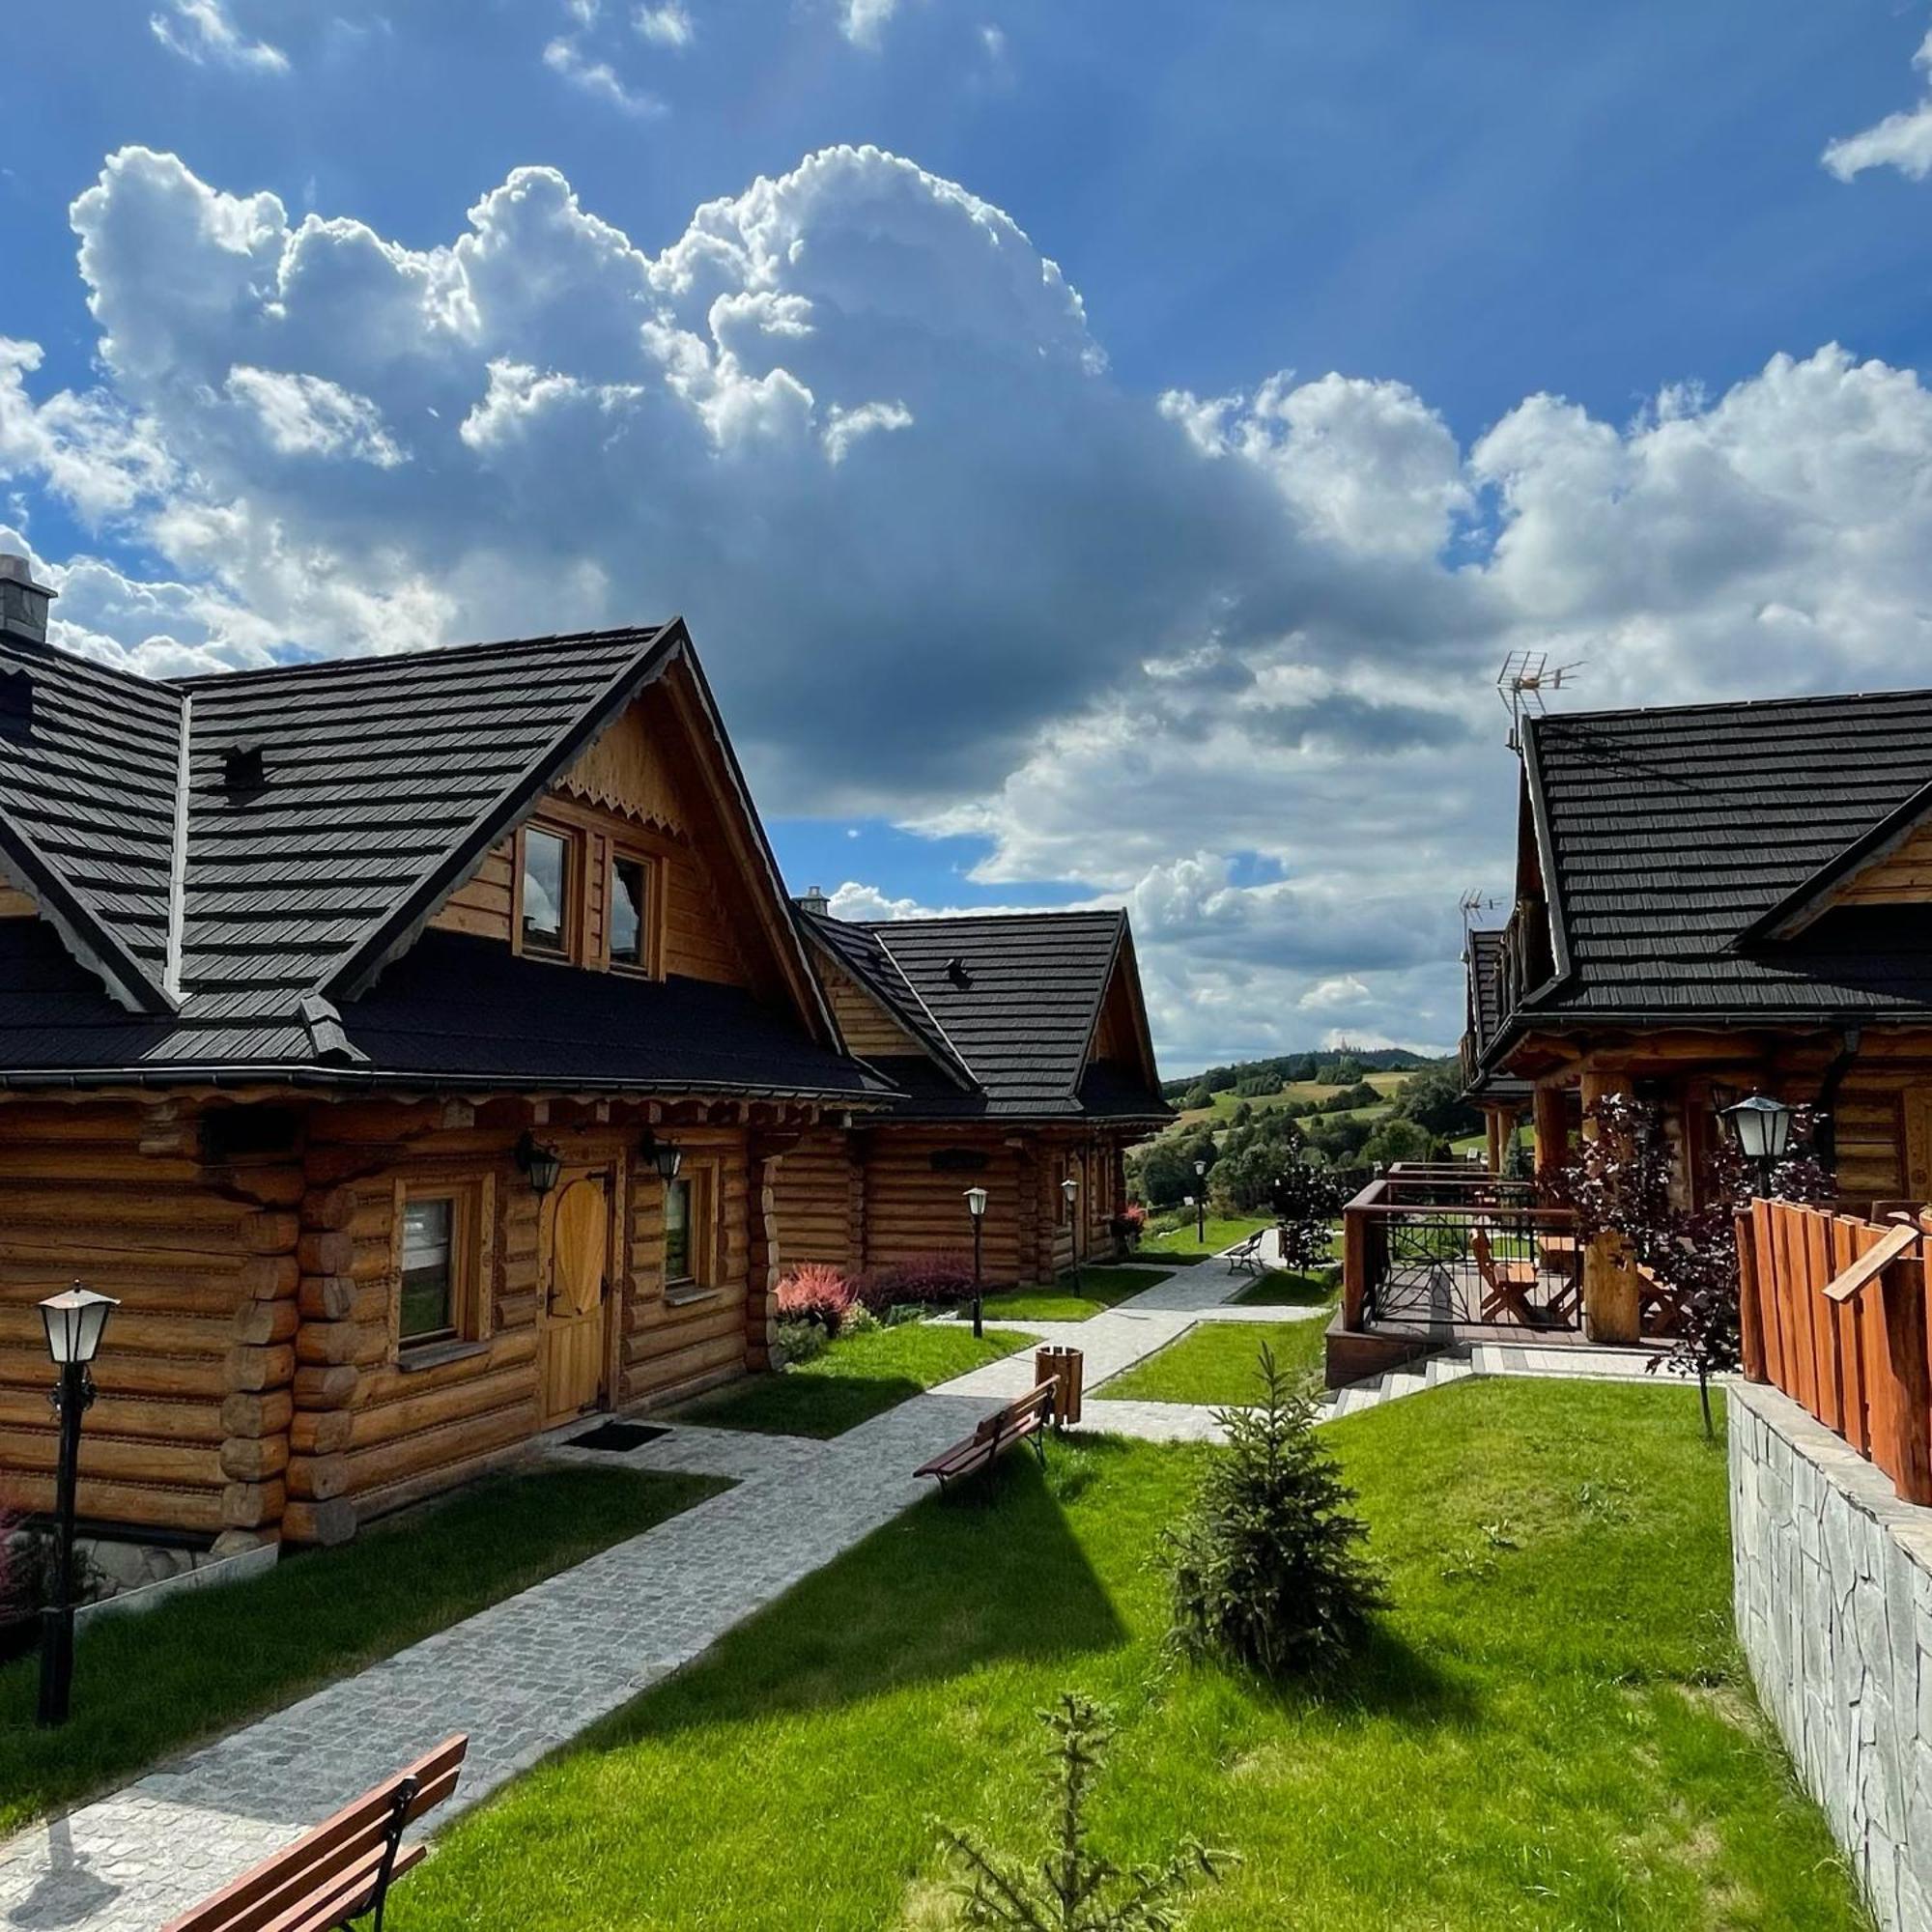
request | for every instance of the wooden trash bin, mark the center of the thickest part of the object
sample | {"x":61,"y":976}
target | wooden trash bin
{"x":1062,"y":1367}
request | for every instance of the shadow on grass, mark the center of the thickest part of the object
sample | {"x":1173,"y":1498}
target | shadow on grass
{"x":988,"y":1573}
{"x":1387,"y":1677}
{"x":1287,"y":1287}
{"x":820,"y":1406}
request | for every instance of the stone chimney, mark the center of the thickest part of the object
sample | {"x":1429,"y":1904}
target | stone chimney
{"x":23,"y":602}
{"x":813,"y":899}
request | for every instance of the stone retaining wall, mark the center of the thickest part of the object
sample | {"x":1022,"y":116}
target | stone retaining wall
{"x":1832,"y":1581}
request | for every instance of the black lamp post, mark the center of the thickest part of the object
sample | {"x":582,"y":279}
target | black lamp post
{"x":1069,"y":1191}
{"x":74,"y":1323}
{"x":976,"y":1205}
{"x":1761,"y":1127}
{"x":1201,"y":1203}
{"x":541,"y":1164}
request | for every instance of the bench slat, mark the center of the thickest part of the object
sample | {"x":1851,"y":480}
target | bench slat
{"x":1025,"y":1417}
{"x":283,"y":1890}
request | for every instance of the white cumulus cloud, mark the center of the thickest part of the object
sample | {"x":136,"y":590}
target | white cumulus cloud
{"x":668,"y":25}
{"x":1228,"y":662}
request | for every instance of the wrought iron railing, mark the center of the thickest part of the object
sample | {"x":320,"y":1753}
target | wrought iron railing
{"x":1441,"y":1245}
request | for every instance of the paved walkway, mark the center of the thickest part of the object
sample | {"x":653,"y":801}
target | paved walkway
{"x":532,"y":1672}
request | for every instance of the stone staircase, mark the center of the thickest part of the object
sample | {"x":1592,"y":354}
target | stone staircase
{"x":1395,"y":1383}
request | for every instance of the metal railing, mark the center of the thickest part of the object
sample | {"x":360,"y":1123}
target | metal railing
{"x":1439,"y":1244}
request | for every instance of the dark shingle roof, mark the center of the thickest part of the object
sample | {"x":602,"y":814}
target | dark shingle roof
{"x":243,"y":923}
{"x":1483,"y":961}
{"x":1018,"y":1019}
{"x":1668,"y":834}
{"x":863,"y":954}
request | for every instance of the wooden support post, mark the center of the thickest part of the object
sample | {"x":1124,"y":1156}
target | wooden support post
{"x":1354,"y":1267}
{"x":762,"y":1259}
{"x":1610,"y":1290}
{"x":1550,"y":1106}
{"x":1494,"y":1118}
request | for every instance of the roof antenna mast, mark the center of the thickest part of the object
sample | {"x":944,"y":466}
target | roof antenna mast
{"x":1475,"y":905}
{"x":1523,"y":681}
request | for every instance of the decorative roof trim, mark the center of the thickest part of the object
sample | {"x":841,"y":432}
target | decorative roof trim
{"x":1812,"y":897}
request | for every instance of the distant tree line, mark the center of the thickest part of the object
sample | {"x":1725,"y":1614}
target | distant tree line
{"x":1254,"y":1079}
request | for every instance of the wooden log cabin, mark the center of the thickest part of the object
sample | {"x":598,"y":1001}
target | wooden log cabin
{"x":1713,"y":900}
{"x":304,"y":976}
{"x":1020,"y":1043}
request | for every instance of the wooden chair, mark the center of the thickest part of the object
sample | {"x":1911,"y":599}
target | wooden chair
{"x":341,"y":1869}
{"x":1021,"y":1421}
{"x":1506,"y":1285}
{"x":1658,"y":1310}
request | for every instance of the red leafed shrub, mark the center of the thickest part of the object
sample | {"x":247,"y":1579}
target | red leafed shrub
{"x":923,"y":1280}
{"x":816,"y":1292}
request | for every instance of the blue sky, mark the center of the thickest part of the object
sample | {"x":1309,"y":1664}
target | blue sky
{"x":1177,"y":578}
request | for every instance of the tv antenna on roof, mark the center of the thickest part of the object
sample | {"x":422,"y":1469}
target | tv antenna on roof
{"x":1474,"y":905}
{"x":1522,"y":682}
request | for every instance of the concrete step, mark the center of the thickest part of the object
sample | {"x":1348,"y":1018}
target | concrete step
{"x":1399,"y":1382}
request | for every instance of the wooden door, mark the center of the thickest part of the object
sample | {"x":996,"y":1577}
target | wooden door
{"x":575,"y":1264}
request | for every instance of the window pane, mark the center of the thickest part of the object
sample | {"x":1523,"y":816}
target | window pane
{"x":546,"y":890}
{"x":628,"y":911}
{"x":426,"y":1282}
{"x":677,"y":1230}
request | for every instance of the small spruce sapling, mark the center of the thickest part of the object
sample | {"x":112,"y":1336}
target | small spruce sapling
{"x":1073,"y":1889}
{"x":1267,"y":1570}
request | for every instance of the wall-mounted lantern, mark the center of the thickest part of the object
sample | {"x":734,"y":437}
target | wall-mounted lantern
{"x":539,"y":1164}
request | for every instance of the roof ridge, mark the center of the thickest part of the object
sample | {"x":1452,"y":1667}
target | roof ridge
{"x":1709,"y":705}
{"x":986,"y":917}
{"x":202,"y":681}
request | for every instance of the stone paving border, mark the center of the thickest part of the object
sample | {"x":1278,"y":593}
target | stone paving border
{"x":532,"y":1672}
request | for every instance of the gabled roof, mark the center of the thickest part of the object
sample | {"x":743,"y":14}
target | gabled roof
{"x":1672,"y":836}
{"x":1017,"y":1018}
{"x":1483,"y":959}
{"x":249,"y":926}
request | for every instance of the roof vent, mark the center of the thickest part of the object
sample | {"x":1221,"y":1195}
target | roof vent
{"x":813,"y":899}
{"x":244,"y":770}
{"x":16,"y":705}
{"x":23,"y":602}
{"x":955,"y":971}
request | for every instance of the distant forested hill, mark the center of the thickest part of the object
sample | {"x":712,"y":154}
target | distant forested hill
{"x":1336,"y":1065}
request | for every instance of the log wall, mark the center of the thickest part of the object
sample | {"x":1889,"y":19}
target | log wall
{"x":199,"y":1355}
{"x":814,"y":1190}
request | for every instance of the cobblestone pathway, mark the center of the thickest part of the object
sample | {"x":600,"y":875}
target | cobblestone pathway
{"x":532,"y":1672}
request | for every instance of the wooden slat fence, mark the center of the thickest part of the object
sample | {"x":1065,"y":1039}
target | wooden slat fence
{"x":1833,"y":1313}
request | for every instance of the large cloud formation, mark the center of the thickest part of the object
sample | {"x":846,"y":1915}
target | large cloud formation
{"x":1226,"y":659}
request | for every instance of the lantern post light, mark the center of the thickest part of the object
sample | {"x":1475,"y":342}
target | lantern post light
{"x":1761,"y":1129}
{"x":665,"y":1156}
{"x":541,"y":1165}
{"x":976,"y":1205}
{"x":1201,"y":1204}
{"x":74,"y":1321}
{"x":1069,"y":1190}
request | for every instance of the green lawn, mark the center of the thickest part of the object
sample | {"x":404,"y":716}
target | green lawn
{"x":1215,"y":1362}
{"x":146,"y":1686}
{"x":1059,"y":1301}
{"x":856,"y":1378}
{"x":1182,"y":1246}
{"x":1552,"y":1730}
{"x":1287,"y":1287}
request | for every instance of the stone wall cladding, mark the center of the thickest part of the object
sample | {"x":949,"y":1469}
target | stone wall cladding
{"x":1833,"y":1586}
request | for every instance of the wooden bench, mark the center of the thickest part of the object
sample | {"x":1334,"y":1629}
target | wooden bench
{"x":1245,"y":1257}
{"x":1021,"y":1421}
{"x":341,"y":1869}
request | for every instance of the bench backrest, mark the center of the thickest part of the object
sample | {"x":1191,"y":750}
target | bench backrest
{"x":1017,"y":1414}
{"x":332,"y":1873}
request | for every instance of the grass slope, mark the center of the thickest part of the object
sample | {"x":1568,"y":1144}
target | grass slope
{"x":1066,"y":1301}
{"x":1553,"y":1730}
{"x":1218,"y":1362}
{"x":1180,"y":1244}
{"x":856,"y":1378}
{"x":146,"y":1686}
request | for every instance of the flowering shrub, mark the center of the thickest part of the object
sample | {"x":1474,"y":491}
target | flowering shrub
{"x":925,"y":1280}
{"x":816,"y":1293}
{"x":1129,"y":1224}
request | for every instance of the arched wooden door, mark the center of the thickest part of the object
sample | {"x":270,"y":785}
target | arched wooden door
{"x":575,"y":1267}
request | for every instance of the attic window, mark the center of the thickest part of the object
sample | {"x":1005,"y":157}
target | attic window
{"x":244,"y":770}
{"x":955,"y":971}
{"x":17,"y":704}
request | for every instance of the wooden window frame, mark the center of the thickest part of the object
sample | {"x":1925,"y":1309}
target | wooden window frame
{"x":706,"y":1204}
{"x":650,"y":966}
{"x":472,"y":1199}
{"x":575,"y":849}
